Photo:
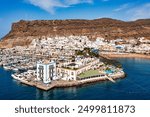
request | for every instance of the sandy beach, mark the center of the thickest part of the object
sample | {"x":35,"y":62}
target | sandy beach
{"x":127,"y":56}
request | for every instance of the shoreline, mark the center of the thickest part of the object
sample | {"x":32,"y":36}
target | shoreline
{"x":66,"y":84}
{"x":124,"y":55}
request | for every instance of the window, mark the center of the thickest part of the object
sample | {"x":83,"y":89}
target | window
{"x":51,"y":72}
{"x":41,"y":72}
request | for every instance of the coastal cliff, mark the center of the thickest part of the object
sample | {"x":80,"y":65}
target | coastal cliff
{"x":23,"y":32}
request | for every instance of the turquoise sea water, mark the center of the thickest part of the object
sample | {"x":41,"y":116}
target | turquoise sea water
{"x":135,"y":86}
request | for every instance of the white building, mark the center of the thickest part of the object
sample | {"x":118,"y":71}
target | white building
{"x":46,"y":71}
{"x":72,"y":70}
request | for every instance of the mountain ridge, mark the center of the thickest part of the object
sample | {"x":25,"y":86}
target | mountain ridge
{"x":23,"y":32}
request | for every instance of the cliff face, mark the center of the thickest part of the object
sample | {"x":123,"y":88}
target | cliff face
{"x":23,"y":32}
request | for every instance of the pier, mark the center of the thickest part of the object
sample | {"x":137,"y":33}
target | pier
{"x":62,"y":83}
{"x":111,"y":79}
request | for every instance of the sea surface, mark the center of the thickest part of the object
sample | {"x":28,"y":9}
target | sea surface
{"x":136,"y":86}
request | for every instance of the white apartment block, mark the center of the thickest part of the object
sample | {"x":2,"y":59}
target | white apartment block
{"x":46,"y":71}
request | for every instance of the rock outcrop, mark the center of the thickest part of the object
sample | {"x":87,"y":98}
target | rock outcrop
{"x":23,"y":32}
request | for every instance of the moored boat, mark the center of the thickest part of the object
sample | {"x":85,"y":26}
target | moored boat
{"x":15,"y":76}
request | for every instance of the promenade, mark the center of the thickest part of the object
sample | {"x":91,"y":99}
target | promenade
{"x":62,"y":83}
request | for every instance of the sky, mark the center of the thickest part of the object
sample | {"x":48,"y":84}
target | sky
{"x":15,"y":10}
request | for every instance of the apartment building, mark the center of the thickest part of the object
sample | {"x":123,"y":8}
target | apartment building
{"x":46,"y":71}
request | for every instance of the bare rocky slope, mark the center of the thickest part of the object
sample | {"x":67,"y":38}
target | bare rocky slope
{"x":23,"y":32}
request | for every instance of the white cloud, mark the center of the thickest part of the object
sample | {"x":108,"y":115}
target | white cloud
{"x":47,"y":5}
{"x":122,"y":7}
{"x":71,"y":2}
{"x":50,"y":5}
{"x":139,"y":12}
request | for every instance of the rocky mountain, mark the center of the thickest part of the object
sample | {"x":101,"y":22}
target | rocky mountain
{"x":23,"y":32}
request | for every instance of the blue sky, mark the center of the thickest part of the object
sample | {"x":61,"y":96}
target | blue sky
{"x":15,"y":10}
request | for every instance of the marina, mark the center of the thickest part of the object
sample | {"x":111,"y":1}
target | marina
{"x":76,"y":68}
{"x":134,"y":86}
